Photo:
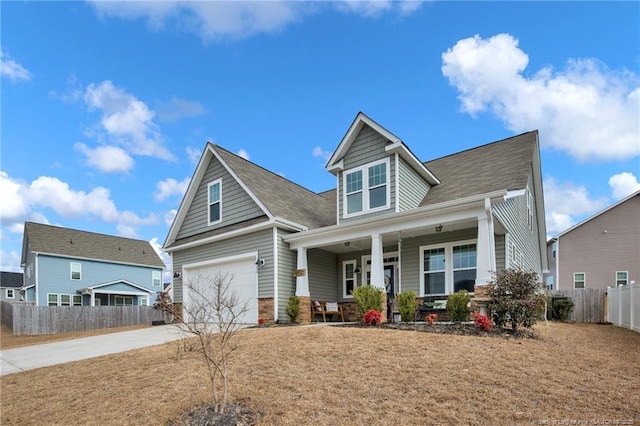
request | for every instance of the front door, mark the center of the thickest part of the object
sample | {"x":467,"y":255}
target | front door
{"x":389,"y":284}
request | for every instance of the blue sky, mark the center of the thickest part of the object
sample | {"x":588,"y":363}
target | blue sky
{"x":106,"y":106}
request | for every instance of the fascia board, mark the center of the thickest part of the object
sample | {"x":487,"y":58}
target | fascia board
{"x":92,"y":259}
{"x":239,"y":232}
{"x":409,"y":157}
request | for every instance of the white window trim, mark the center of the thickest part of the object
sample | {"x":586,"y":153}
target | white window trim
{"x":70,"y":303}
{"x":584,"y":281}
{"x":365,"y":188}
{"x":626,"y":279}
{"x":209,"y":203}
{"x":10,"y":290}
{"x":448,"y":264}
{"x":57,"y":299}
{"x":79,"y":270}
{"x":115,"y":300}
{"x":366,"y":264}
{"x":344,"y":277}
{"x":74,"y":297}
{"x":144,"y":299}
{"x":153,"y":278}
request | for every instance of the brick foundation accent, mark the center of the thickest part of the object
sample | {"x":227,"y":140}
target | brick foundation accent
{"x":177,"y":312}
{"x":384,"y":307}
{"x":265,"y":309}
{"x":350,"y":312}
{"x":480,"y":299}
{"x":305,"y":309}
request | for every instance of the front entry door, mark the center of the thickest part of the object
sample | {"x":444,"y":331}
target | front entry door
{"x":389,"y":284}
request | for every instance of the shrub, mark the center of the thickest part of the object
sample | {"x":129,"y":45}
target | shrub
{"x":407,"y":305}
{"x":261,"y":321}
{"x":293,"y":307}
{"x":431,"y":318}
{"x":457,"y":306}
{"x":561,"y":309}
{"x":372,"y":317}
{"x":482,"y":322}
{"x":516,"y":298}
{"x":368,"y":297}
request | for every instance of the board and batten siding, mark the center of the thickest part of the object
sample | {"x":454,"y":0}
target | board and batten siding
{"x":324,"y":275}
{"x":512,"y":213}
{"x":287,"y":265}
{"x":412,"y":187}
{"x":367,"y":147}
{"x":237,"y":205}
{"x":261,"y":242}
{"x":55,"y":276}
{"x":599,"y":254}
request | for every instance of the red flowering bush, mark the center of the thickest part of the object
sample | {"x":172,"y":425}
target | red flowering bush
{"x":261,"y":321}
{"x":482,"y":322}
{"x":372,"y":317}
{"x":431,"y":318}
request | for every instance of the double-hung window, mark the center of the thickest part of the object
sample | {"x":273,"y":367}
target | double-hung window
{"x":52,"y":299}
{"x":348,"y":277}
{"x":622,"y":278}
{"x":214,"y":194}
{"x":156,"y":278}
{"x":448,"y":268}
{"x":65,"y":300}
{"x":76,"y":271}
{"x":464,"y":267}
{"x":579,"y":280}
{"x":366,"y":188}
{"x":10,"y":293}
{"x":77,"y":299}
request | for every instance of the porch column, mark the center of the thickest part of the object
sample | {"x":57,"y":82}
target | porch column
{"x":377,"y":262}
{"x":486,"y":258}
{"x":92,"y":301}
{"x":302,"y":274}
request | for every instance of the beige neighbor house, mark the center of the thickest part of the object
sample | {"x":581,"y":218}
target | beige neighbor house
{"x":599,"y":252}
{"x":430,"y":227}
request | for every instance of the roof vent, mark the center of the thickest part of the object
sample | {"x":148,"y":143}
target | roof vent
{"x":70,"y":241}
{"x":119,"y":248}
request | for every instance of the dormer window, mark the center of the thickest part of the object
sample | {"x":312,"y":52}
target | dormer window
{"x":214,"y":192}
{"x":366,"y":188}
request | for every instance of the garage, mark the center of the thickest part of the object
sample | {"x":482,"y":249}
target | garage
{"x":243,"y":280}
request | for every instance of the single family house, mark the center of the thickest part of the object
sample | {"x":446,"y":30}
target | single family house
{"x":600,"y":252}
{"x":68,"y":267}
{"x":392,"y":221}
{"x":10,"y":285}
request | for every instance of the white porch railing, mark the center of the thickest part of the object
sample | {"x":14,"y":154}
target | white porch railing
{"x":624,"y":306}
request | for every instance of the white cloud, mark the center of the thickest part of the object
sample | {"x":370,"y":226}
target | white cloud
{"x":11,"y":69}
{"x":169,"y":216}
{"x":127,"y":120}
{"x":126,"y":231}
{"x":10,"y":261}
{"x":321,"y":153}
{"x":24,"y":201}
{"x":243,"y":153}
{"x":564,"y":202}
{"x":586,"y":110}
{"x":170,"y":187}
{"x":623,"y":184}
{"x":109,"y":159}
{"x":177,"y":109}
{"x":193,"y":154}
{"x":166,"y":258}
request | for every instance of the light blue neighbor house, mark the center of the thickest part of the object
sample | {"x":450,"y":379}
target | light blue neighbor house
{"x":392,"y":221}
{"x":68,"y":267}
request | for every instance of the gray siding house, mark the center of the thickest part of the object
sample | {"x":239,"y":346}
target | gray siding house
{"x":600,"y":252}
{"x":68,"y":267}
{"x":10,"y":285}
{"x":392,"y":221}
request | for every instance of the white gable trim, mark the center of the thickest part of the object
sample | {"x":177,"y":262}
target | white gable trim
{"x":335,"y":163}
{"x":400,"y":148}
{"x":98,"y":286}
{"x":92,"y":259}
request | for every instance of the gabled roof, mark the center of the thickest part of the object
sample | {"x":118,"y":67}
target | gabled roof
{"x":11,"y":279}
{"x":504,"y":164}
{"x":600,"y":213}
{"x":335,"y":163}
{"x":58,"y":241}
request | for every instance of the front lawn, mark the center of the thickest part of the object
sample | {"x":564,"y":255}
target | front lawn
{"x":341,"y":375}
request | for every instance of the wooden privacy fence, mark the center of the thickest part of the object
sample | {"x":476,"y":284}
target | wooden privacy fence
{"x":28,"y":319}
{"x":589,"y":304}
{"x":624,"y":306}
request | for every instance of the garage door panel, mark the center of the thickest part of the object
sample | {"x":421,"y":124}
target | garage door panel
{"x":242,"y":280}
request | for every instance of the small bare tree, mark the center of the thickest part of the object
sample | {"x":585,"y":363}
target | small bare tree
{"x":213,"y":315}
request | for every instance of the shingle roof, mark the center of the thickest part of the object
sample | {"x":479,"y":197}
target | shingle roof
{"x":499,"y":165}
{"x":11,"y":279}
{"x":280,"y":196}
{"x":89,"y":245}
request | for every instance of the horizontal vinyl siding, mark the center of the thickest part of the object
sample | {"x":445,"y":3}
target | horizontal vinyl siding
{"x":237,"y":205}
{"x":323,"y":275}
{"x":261,"y":242}
{"x":287,"y":264}
{"x":413,"y":187}
{"x":500,"y":251}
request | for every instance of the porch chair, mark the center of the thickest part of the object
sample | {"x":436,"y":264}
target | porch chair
{"x":326,"y":308}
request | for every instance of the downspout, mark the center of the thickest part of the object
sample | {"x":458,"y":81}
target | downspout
{"x":275,"y":274}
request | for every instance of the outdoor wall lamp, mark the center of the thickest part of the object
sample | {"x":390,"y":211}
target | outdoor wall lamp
{"x":357,"y":270}
{"x":261,"y":262}
{"x":439,"y":228}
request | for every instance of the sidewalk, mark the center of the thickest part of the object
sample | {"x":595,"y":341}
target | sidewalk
{"x":36,"y":356}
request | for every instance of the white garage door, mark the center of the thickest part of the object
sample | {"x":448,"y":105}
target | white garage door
{"x":243,"y":281}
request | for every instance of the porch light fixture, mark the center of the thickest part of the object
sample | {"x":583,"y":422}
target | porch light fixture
{"x":357,"y":270}
{"x":177,"y":274}
{"x":347,"y":243}
{"x":439,"y":228}
{"x":260,"y":262}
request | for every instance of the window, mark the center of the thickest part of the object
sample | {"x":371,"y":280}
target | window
{"x":448,"y":268}
{"x":124,"y":301}
{"x":144,"y":301}
{"x":10,"y":293}
{"x":156,"y":278}
{"x":622,"y":278}
{"x":77,"y":300}
{"x":348,"y":277}
{"x":579,"y":280}
{"x":65,"y":300}
{"x":366,"y":188}
{"x":214,"y":192}
{"x":52,"y":299}
{"x":76,"y":271}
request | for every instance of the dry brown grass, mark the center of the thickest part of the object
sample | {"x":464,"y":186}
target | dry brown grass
{"x":354,"y":376}
{"x":8,"y":340}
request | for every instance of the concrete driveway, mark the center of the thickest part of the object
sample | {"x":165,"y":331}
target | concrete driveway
{"x":36,"y":356}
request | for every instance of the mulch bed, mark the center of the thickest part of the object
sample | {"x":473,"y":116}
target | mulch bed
{"x":463,"y":329}
{"x":236,"y":414}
